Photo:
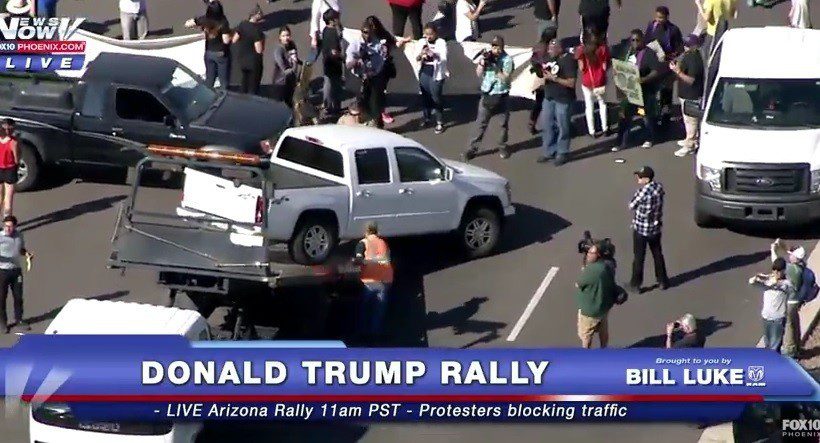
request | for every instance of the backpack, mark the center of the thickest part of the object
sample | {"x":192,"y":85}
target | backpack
{"x":808,"y":286}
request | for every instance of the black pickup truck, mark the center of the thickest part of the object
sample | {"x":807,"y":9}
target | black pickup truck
{"x":123,"y":103}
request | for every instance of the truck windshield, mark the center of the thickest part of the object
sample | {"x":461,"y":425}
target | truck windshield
{"x":766,"y":103}
{"x":188,"y":95}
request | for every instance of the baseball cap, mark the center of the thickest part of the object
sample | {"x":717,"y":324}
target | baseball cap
{"x":691,"y":40}
{"x":798,"y":253}
{"x":689,"y":321}
{"x":645,"y":172}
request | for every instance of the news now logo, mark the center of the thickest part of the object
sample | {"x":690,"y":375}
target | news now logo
{"x":32,"y":44}
{"x":801,"y":428}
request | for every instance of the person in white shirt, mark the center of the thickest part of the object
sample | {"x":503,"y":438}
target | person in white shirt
{"x":432,"y":55}
{"x":467,"y":13}
{"x":133,"y":19}
{"x":799,"y":16}
{"x":317,"y":24}
{"x":778,"y":288}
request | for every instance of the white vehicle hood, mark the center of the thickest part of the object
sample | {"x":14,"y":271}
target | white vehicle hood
{"x":720,"y":144}
{"x":473,"y":172}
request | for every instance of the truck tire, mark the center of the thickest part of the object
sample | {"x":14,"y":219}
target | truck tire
{"x":30,"y":166}
{"x":479,"y":231}
{"x":314,"y":241}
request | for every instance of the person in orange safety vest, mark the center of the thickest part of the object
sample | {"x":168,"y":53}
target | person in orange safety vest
{"x":373,"y":254}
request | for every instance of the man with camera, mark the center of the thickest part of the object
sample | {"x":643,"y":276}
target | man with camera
{"x":596,"y":294}
{"x":684,"y":333}
{"x":495,"y":68}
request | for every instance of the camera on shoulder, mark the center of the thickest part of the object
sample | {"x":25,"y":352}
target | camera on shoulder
{"x":606,"y":249}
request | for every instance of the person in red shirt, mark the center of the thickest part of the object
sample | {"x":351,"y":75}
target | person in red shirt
{"x":403,"y":10}
{"x":593,"y":62}
{"x":9,"y":159}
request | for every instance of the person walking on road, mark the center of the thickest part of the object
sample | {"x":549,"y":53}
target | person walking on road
{"x":559,"y":75}
{"x":595,"y":296}
{"x":9,"y":164}
{"x":373,"y":254}
{"x":649,"y":69}
{"x":133,"y":19}
{"x":495,"y":68}
{"x":647,"y":220}
{"x":546,"y":15}
{"x":690,"y":73}
{"x":404,"y":10}
{"x":249,"y":41}
{"x":13,"y":256}
{"x":777,"y":291}
{"x":317,"y":23}
{"x":594,"y":60}
{"x":595,"y":16}
{"x":795,"y":270}
{"x":432,"y":55}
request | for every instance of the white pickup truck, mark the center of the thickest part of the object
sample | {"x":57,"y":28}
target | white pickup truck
{"x":330,"y":181}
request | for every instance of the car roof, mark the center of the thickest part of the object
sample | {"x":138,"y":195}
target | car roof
{"x":345,"y":138}
{"x":130,"y":69}
{"x":770,"y":52}
{"x":81,"y":316}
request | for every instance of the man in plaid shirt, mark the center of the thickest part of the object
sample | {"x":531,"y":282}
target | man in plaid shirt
{"x":647,"y":208}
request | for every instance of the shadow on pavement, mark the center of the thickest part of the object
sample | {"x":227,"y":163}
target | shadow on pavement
{"x":706,"y":326}
{"x":53,"y":313}
{"x":78,"y":210}
{"x":722,"y":265}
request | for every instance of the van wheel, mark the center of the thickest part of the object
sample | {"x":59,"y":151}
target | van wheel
{"x":479,"y":231}
{"x":314,"y":241}
{"x":28,"y":173}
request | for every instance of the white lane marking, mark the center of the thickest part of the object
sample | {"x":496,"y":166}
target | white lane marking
{"x":532,"y":304}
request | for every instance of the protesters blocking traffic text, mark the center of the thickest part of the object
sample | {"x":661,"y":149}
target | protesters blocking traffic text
{"x":432,"y":54}
{"x":13,"y":257}
{"x":647,"y":220}
{"x":495,"y":68}
{"x":777,"y":291}
{"x":595,"y":296}
{"x":559,"y":74}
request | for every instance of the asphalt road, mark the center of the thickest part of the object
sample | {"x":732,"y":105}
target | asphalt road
{"x":439,"y":301}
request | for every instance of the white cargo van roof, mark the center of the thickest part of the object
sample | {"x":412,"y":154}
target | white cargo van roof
{"x":770,"y":52}
{"x":80,"y":316}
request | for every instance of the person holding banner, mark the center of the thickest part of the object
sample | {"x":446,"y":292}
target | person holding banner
{"x":648,"y":66}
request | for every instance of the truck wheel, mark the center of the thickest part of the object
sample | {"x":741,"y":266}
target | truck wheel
{"x":29,"y":171}
{"x":314,"y":241}
{"x":479,"y":231}
{"x":704,"y":220}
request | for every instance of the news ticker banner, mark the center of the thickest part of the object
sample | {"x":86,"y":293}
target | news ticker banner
{"x":160,"y":378}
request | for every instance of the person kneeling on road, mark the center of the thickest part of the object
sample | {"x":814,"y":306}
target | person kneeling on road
{"x":684,"y":333}
{"x":595,"y":296}
{"x":373,"y":254}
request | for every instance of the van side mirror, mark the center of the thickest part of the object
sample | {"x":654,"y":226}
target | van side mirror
{"x":691,"y":108}
{"x":169,"y":121}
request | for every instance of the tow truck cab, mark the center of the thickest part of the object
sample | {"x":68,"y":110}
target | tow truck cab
{"x":54,"y":422}
{"x":759,"y":156}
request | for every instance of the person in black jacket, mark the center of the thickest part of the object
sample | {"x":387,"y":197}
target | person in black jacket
{"x":670,"y":39}
{"x":595,"y":16}
{"x":250,"y":45}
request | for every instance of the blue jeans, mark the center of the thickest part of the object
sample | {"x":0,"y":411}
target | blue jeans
{"x":431,"y":92}
{"x":773,"y":333}
{"x":217,"y":64}
{"x":373,"y":307}
{"x":556,"y":130}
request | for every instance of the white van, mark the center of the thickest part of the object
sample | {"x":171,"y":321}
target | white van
{"x":759,"y":156}
{"x":53,"y":422}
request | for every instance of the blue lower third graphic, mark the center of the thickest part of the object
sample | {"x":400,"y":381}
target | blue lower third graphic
{"x":41,"y":62}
